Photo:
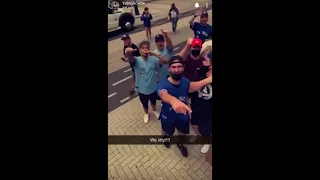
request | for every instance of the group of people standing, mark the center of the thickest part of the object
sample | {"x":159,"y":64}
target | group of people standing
{"x":183,"y":82}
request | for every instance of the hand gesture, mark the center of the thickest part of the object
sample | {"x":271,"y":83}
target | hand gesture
{"x":197,"y":13}
{"x":164,"y":31}
{"x":129,"y":50}
{"x":151,"y":53}
{"x":180,"y":107}
{"x":189,"y":41}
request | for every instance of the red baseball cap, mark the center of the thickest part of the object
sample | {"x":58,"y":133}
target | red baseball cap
{"x":196,"y":43}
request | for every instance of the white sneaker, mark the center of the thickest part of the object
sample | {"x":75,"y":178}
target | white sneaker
{"x":205,"y":148}
{"x":146,"y":118}
{"x":157,"y":114}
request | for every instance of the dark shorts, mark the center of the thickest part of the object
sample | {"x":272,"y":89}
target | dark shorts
{"x":147,"y":26}
{"x":169,"y":125}
{"x":144,"y":99}
{"x":204,"y":124}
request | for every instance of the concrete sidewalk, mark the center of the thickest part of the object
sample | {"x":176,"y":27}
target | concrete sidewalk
{"x":149,"y":161}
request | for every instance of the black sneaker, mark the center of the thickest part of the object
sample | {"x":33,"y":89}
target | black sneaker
{"x":166,"y":144}
{"x":184,"y":150}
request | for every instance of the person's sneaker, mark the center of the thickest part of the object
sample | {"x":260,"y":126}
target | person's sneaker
{"x":146,"y":118}
{"x":166,"y":144}
{"x":183,"y":150}
{"x":156,"y":114}
{"x":205,"y":148}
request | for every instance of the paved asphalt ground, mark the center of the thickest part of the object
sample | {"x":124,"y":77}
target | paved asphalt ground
{"x":138,"y":28}
{"x":120,"y":83}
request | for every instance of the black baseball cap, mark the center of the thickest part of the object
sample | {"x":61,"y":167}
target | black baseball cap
{"x":159,"y":37}
{"x":125,"y":36}
{"x":204,"y":14}
{"x":175,"y":59}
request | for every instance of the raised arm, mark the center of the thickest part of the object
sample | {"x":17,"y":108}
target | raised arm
{"x":194,"y":17}
{"x":129,"y":58}
{"x":186,"y":48}
{"x":168,"y":39}
{"x":194,"y":86}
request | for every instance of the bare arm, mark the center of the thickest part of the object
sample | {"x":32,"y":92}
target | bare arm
{"x":129,"y":58}
{"x":168,"y":39}
{"x":194,"y":86}
{"x":177,"y":105}
{"x":184,"y":51}
{"x":166,"y":97}
{"x":191,"y":21}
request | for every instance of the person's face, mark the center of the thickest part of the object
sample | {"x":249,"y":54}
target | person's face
{"x":126,"y":42}
{"x":176,"y":68}
{"x":203,"y":20}
{"x":207,"y":62}
{"x":143,"y":50}
{"x":195,"y":51}
{"x":160,"y":45}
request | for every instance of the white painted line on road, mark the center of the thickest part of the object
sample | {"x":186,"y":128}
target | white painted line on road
{"x":112,"y":95}
{"x":176,"y":48}
{"x":122,"y":80}
{"x":127,"y":70}
{"x":125,"y":99}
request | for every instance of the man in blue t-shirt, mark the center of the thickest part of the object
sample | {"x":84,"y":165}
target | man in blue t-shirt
{"x":145,"y":68}
{"x":173,"y":92}
{"x":201,"y":30}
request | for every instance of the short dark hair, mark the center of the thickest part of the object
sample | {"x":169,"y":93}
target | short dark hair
{"x":146,"y":9}
{"x":144,"y":43}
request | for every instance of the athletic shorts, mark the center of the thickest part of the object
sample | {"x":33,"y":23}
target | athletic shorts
{"x":204,"y":124}
{"x":171,"y":122}
{"x":144,"y":99}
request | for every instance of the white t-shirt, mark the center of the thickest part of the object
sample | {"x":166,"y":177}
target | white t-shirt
{"x":173,"y":14}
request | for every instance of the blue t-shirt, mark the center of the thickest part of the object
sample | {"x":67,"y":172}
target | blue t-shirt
{"x":145,"y":73}
{"x":201,"y":32}
{"x":146,"y":19}
{"x":178,"y":91}
{"x":163,"y":71}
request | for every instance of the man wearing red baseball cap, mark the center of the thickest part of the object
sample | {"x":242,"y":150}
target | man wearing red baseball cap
{"x":193,"y":64}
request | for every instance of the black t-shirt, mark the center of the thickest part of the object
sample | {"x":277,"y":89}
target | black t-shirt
{"x":201,"y":101}
{"x":133,"y":46}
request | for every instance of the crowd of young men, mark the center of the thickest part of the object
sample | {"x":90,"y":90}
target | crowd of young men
{"x":183,"y":82}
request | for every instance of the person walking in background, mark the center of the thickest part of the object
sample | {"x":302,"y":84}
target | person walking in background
{"x":146,"y":18}
{"x":173,"y":16}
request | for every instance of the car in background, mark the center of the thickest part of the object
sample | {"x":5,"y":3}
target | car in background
{"x":120,"y":19}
